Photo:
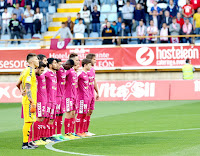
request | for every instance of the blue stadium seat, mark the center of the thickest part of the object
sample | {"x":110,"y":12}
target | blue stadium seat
{"x":52,"y":9}
{"x":112,"y":17}
{"x":98,"y":7}
{"x":114,"y":8}
{"x":105,"y":8}
{"x":10,"y":9}
{"x":94,"y":34}
{"x":102,"y":17}
{"x":5,"y":37}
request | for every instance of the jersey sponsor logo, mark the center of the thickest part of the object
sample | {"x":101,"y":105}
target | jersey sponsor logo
{"x":145,"y":56}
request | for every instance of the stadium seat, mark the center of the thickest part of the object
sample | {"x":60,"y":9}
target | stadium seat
{"x":102,"y":17}
{"x":98,"y":7}
{"x":102,"y":1}
{"x":94,"y":34}
{"x":112,"y":17}
{"x":10,"y":9}
{"x":52,"y":9}
{"x":5,"y":37}
{"x":105,"y":8}
{"x":114,"y":8}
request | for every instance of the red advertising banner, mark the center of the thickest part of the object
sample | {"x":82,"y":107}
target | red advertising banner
{"x":108,"y":58}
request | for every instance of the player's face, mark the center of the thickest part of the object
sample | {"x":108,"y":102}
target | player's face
{"x":76,"y":60}
{"x":44,"y":60}
{"x":67,"y":66}
{"x":35,"y":61}
{"x":76,"y":67}
{"x":88,"y":66}
{"x":93,"y":61}
{"x":40,"y":71}
{"x":59,"y":65}
{"x":54,"y":65}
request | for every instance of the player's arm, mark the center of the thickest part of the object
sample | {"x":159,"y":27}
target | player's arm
{"x":19,"y":82}
{"x":29,"y":95}
{"x":96,"y":89}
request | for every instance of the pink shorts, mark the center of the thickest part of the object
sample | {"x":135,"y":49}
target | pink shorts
{"x":83,"y":106}
{"x":60,"y":105}
{"x":48,"y":109}
{"x":41,"y":109}
{"x":92,"y":103}
{"x":70,"y":104}
{"x":53,"y":111}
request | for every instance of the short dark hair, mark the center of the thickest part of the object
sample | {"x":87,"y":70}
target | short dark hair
{"x":29,"y":56}
{"x":41,"y":57}
{"x":50,"y":61}
{"x":80,"y":19}
{"x":71,"y":62}
{"x":14,"y":14}
{"x":63,"y":22}
{"x":72,"y":55}
{"x":174,"y":18}
{"x":58,"y":60}
{"x":90,"y":56}
{"x":85,"y":61}
{"x":187,"y":60}
{"x":41,"y":64}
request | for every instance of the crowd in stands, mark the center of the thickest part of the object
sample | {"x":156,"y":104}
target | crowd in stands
{"x":134,"y":18}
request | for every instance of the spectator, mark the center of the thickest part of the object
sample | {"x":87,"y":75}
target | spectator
{"x":134,"y":26}
{"x":127,"y":12}
{"x":119,"y":23}
{"x":90,"y":4}
{"x":162,"y":4}
{"x":44,"y":4}
{"x":195,"y":3}
{"x":28,"y":19}
{"x":6,"y":16}
{"x":156,"y":19}
{"x":155,"y":7}
{"x":172,"y":8}
{"x":19,"y":12}
{"x":164,"y":33}
{"x":196,"y":22}
{"x":34,"y":4}
{"x":139,"y":14}
{"x":150,"y":4}
{"x":187,"y":30}
{"x":104,"y":25}
{"x":69,"y":24}
{"x":180,"y":20}
{"x":120,"y":4}
{"x":152,"y":31}
{"x":77,"y":19}
{"x":79,"y":30}
{"x":133,"y":2}
{"x":95,"y":20}
{"x":3,"y":5}
{"x":167,"y":19}
{"x":0,"y":26}
{"x":64,"y":32}
{"x":114,"y":26}
{"x":14,"y":26}
{"x":85,"y":14}
{"x":38,"y":16}
{"x":174,"y":30}
{"x":123,"y":33}
{"x":9,"y":3}
{"x":188,"y":11}
{"x":108,"y":32}
{"x":141,"y":31}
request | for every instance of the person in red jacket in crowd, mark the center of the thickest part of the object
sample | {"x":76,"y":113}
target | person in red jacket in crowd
{"x":179,"y":20}
{"x":195,"y":3}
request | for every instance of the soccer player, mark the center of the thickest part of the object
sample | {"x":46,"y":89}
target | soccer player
{"x":92,"y":87}
{"x":29,"y":100}
{"x":51,"y":87}
{"x":41,"y":104}
{"x":83,"y":98}
{"x":70,"y":96}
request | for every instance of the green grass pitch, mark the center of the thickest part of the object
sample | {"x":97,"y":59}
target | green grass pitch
{"x":116,"y":118}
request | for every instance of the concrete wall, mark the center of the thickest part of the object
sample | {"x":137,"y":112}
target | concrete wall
{"x":122,"y":76}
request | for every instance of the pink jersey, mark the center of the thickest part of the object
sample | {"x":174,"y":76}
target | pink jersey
{"x":51,"y":84}
{"x":71,"y":84}
{"x":61,"y":75}
{"x":91,"y":75}
{"x":83,"y":86}
{"x":41,"y":88}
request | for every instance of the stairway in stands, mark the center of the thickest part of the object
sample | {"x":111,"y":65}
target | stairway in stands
{"x":70,"y":8}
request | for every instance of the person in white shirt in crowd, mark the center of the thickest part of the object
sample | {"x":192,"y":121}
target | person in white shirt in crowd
{"x":174,"y":30}
{"x":104,"y":24}
{"x":38,"y":16}
{"x":79,"y":30}
{"x":85,"y":14}
{"x":152,"y":31}
{"x":90,"y":4}
{"x":164,"y":33}
{"x":28,"y":19}
{"x":64,"y":32}
{"x":127,"y":12}
{"x":6,"y":16}
{"x":3,"y":5}
{"x":141,"y":31}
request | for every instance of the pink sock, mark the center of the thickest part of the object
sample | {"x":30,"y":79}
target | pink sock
{"x":72,"y":125}
{"x":47,"y":128}
{"x":67,"y":125}
{"x":39,"y":130}
{"x":59,"y":124}
{"x":78,"y":123}
{"x":30,"y":135}
{"x":87,"y":123}
{"x":55,"y":127}
{"x":42,"y":129}
{"x":83,"y":123}
{"x":51,"y":130}
{"x":35,"y":130}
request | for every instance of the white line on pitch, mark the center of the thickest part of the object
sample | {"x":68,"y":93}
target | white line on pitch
{"x":50,"y":145}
